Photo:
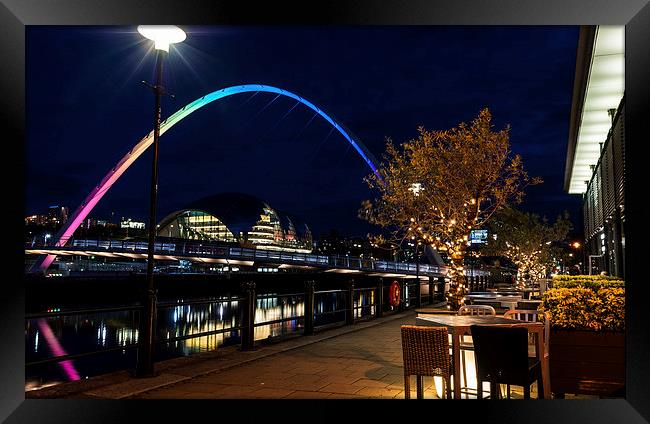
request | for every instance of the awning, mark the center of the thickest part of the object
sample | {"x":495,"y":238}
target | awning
{"x":598,"y":88}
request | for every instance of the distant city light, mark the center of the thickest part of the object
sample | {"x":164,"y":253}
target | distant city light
{"x":128,"y":223}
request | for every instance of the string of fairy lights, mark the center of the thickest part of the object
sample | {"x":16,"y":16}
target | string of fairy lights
{"x":450,"y":236}
{"x":527,"y":262}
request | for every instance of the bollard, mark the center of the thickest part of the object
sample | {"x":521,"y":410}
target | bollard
{"x":309,"y":308}
{"x":248,"y":316}
{"x":419,"y":290}
{"x":349,"y":316}
{"x":430,"y":290}
{"x":145,"y":351}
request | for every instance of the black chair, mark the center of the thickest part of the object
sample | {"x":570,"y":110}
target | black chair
{"x":501,"y":355}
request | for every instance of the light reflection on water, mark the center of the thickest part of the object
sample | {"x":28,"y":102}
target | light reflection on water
{"x":186,"y":320}
{"x":84,"y":333}
{"x":275,"y":308}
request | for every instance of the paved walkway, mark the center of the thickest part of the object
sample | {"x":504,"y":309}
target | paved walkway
{"x":361,"y":364}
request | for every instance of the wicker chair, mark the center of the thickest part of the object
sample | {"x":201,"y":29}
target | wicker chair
{"x":425,"y":351}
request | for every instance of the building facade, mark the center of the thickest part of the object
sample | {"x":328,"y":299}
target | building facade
{"x":238,"y":218}
{"x":56,"y":215}
{"x":595,"y":165}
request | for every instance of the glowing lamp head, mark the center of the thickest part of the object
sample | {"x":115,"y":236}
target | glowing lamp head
{"x":162,"y":35}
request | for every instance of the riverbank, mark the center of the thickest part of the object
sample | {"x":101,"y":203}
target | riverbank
{"x":171,"y":373}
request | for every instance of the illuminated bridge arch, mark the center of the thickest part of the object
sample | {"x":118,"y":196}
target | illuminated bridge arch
{"x":114,"y":174}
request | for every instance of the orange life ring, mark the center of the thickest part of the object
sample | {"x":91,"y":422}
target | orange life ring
{"x":394,"y":294}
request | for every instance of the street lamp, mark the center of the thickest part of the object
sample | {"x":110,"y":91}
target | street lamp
{"x":577,"y":245}
{"x":162,"y":36}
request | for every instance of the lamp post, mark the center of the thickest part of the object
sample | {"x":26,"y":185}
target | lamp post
{"x":162,"y":36}
{"x":576,"y":245}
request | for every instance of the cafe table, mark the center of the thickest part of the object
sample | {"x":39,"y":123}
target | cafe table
{"x":505,"y":301}
{"x":459,"y":325}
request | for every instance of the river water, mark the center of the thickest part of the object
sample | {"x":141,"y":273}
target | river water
{"x":76,"y":334}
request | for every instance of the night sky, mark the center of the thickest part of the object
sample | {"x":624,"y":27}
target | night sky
{"x":86,"y":108}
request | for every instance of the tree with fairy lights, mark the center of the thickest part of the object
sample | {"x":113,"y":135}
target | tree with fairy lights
{"x":434,"y":189}
{"x":528,"y":241}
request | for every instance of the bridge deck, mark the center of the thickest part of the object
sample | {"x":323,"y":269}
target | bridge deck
{"x":206,"y":253}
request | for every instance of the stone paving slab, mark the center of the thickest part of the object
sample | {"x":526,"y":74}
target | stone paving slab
{"x":361,"y":364}
{"x":134,"y":386}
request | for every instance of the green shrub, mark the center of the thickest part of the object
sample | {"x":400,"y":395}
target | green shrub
{"x":563,"y":277}
{"x":586,"y":308}
{"x":589,"y":284}
{"x":594,"y":282}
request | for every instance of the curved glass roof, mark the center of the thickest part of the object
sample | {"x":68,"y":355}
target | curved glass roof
{"x":240,"y":213}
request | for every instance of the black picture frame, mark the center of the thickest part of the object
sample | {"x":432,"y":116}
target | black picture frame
{"x":16,"y":14}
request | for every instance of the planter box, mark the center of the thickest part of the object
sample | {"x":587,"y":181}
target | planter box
{"x":587,"y":362}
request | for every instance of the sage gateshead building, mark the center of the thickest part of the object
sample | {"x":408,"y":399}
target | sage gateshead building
{"x":595,"y":166}
{"x":238,"y":218}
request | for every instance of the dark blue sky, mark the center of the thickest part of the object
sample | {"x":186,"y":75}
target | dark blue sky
{"x":86,"y":108}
